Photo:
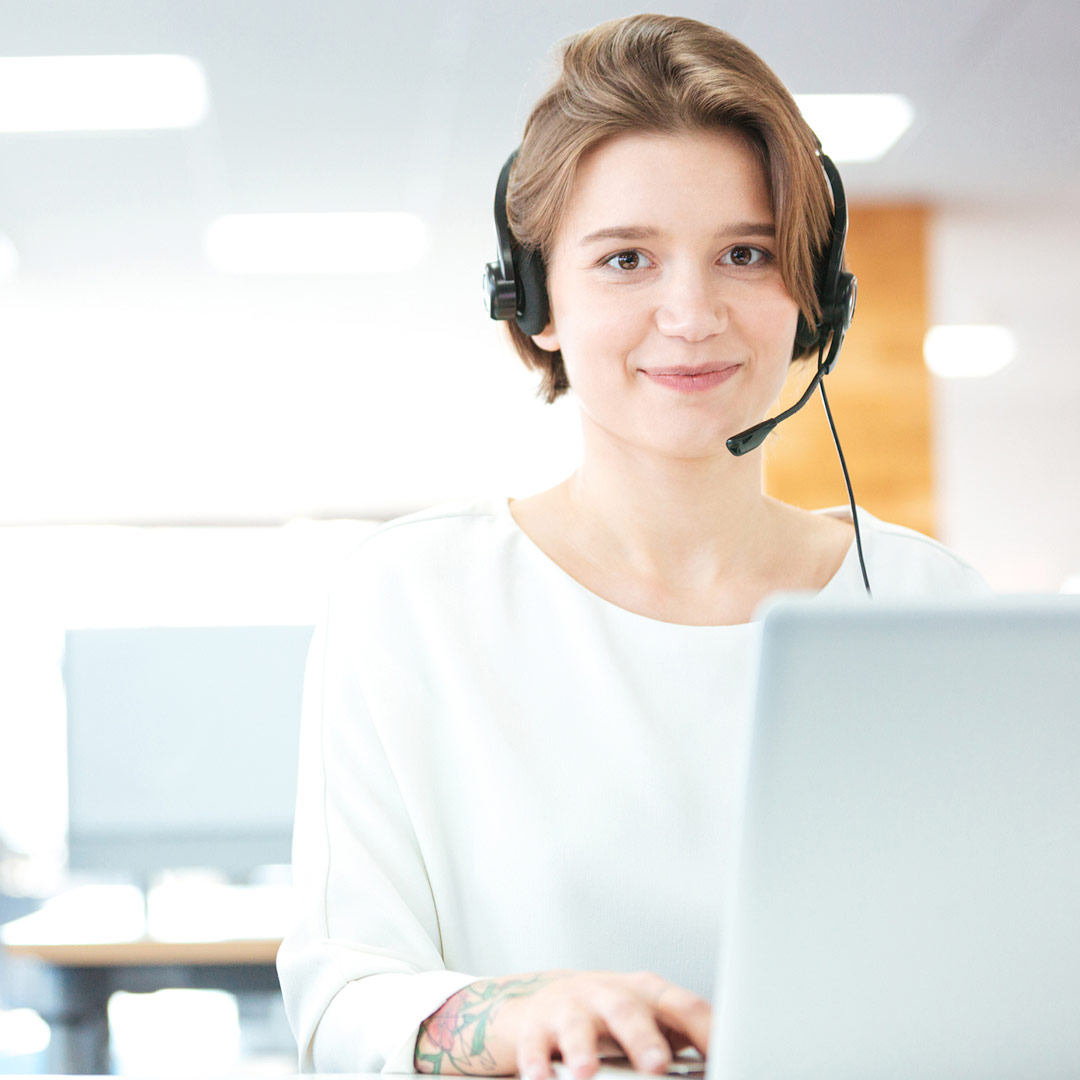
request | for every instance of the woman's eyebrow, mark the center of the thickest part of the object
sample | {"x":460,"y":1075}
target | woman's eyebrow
{"x":736,"y":230}
{"x":739,"y":229}
{"x":621,"y":232}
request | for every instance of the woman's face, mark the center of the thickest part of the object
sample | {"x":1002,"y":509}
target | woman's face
{"x":667,"y":302}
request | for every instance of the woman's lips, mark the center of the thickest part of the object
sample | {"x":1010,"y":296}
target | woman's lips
{"x":689,"y":382}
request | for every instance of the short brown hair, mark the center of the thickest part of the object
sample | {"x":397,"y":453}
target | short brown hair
{"x":661,"y":74}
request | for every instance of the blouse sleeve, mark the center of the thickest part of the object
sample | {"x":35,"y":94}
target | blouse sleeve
{"x":362,"y":968}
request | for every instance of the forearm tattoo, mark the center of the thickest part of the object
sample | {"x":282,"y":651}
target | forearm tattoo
{"x":454,"y":1039}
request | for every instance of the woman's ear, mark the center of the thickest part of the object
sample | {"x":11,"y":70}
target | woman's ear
{"x":548,"y":338}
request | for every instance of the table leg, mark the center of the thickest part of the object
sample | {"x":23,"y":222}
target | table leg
{"x":79,"y":1020}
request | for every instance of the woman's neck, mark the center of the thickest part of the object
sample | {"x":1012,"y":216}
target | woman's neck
{"x":687,"y":524}
{"x":679,"y":540}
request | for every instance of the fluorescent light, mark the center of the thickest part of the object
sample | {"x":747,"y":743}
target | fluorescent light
{"x":358,"y":243}
{"x":9,"y":259}
{"x":22,"y":1032}
{"x":100,"y":93}
{"x":857,"y":127}
{"x":962,"y":352}
{"x":1072,"y":584}
{"x":151,"y":1032}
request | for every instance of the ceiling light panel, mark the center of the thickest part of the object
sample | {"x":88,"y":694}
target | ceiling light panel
{"x":349,"y":243}
{"x":857,"y":127}
{"x":101,"y":93}
{"x":966,"y":352}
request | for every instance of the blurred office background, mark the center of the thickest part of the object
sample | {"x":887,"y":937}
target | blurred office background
{"x":189,"y":442}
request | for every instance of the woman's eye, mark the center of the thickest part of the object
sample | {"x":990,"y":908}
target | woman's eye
{"x":745,"y":255}
{"x":627,"y":260}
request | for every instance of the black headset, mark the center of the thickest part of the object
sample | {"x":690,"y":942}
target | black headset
{"x":516,"y":285}
{"x":836,"y":287}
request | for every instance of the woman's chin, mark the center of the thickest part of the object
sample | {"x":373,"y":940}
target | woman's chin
{"x":704,"y":448}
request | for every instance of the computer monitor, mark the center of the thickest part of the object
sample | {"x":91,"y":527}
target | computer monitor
{"x":182,"y":747}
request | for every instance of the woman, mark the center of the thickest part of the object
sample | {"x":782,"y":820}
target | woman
{"x":522,"y":717}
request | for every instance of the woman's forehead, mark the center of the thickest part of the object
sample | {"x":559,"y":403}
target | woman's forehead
{"x":644,"y":184}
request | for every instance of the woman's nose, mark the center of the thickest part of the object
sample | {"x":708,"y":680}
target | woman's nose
{"x":691,"y":307}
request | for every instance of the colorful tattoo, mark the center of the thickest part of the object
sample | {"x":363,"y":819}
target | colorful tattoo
{"x":452,"y":1040}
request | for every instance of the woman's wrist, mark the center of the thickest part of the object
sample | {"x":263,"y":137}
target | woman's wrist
{"x":467,"y":1035}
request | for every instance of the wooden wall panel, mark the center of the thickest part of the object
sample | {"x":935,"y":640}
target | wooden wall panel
{"x":879,"y":390}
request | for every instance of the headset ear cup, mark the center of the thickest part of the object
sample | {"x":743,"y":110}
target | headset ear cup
{"x":533,"y":307}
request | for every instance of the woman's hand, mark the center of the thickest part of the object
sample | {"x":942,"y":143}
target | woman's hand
{"x":496,"y":1027}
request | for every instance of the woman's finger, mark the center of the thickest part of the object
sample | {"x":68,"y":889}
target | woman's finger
{"x":685,"y":1012}
{"x":577,"y":1040}
{"x":630,"y":1020}
{"x":534,"y":1049}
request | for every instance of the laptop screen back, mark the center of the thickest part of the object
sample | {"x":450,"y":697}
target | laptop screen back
{"x":906,"y":897}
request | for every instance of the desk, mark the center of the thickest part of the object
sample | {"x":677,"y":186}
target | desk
{"x":95,"y":941}
{"x":85,"y":975}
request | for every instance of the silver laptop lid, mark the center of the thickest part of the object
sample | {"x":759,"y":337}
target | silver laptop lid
{"x":906,"y":895}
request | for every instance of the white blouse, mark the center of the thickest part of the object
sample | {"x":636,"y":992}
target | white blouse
{"x":501,"y":772}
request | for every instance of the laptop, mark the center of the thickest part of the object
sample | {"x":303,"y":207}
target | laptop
{"x":906,"y":891}
{"x":905,"y":894}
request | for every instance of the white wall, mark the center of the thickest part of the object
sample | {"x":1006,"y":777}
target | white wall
{"x":201,"y":399}
{"x":1008,"y":446}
